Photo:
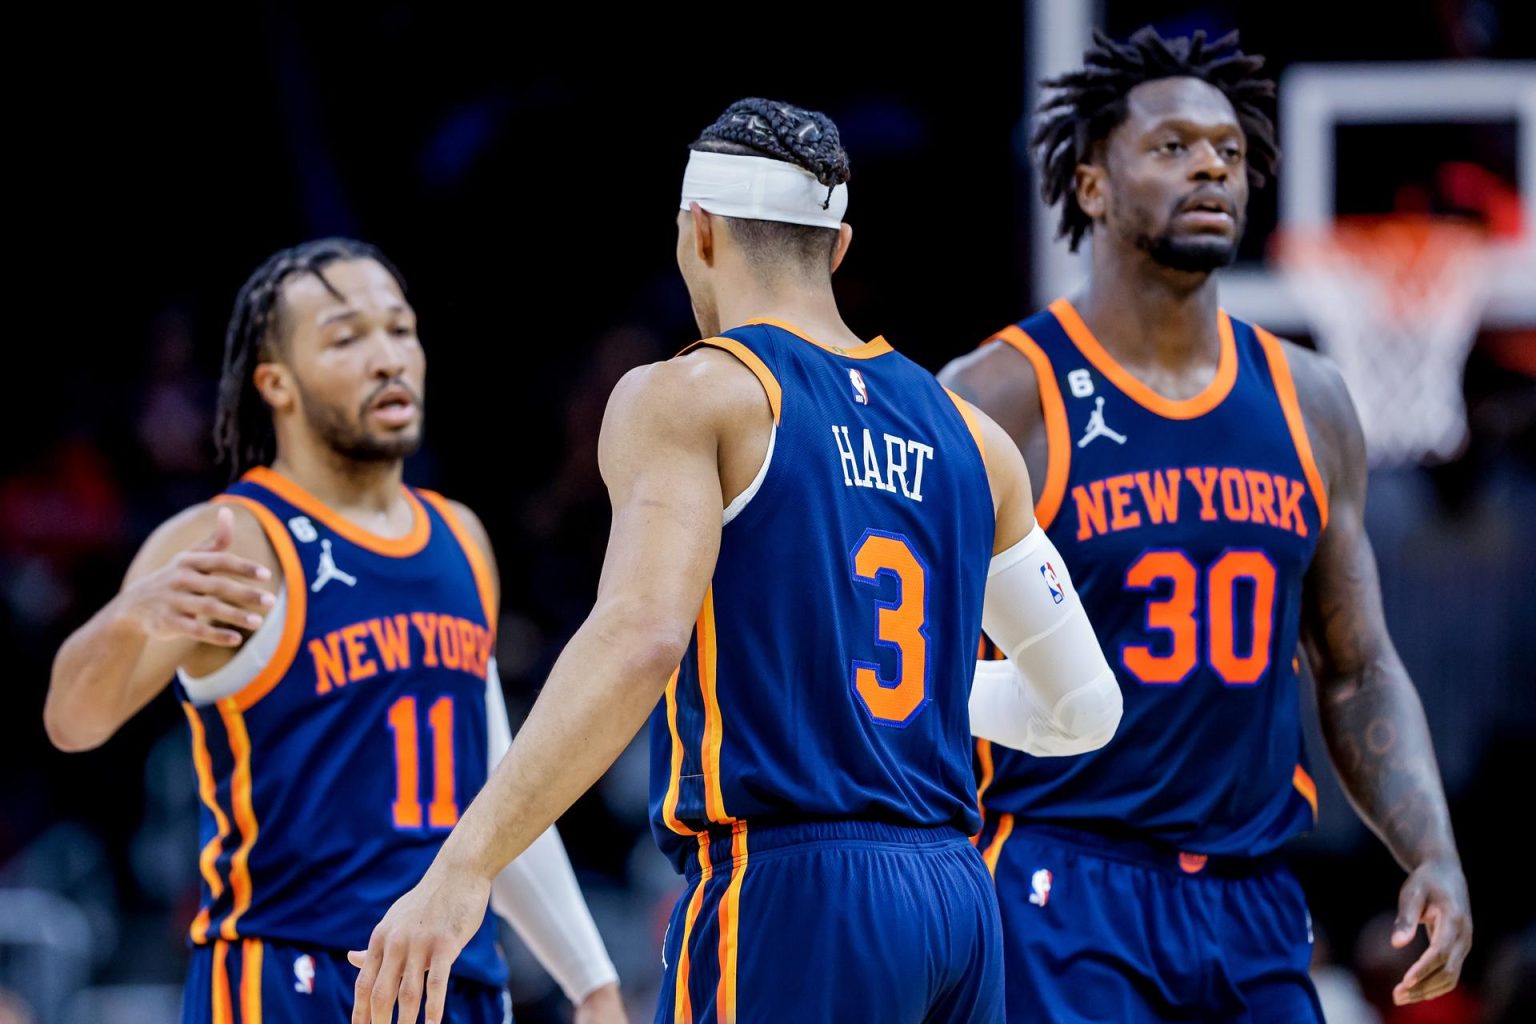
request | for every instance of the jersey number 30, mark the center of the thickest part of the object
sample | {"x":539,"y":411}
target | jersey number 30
{"x":901,"y":625}
{"x":1176,"y":615}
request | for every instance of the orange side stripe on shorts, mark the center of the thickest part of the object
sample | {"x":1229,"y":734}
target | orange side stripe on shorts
{"x":250,"y":981}
{"x":730,"y":926}
{"x":714,"y":723}
{"x":1306,"y":787}
{"x":1004,"y":830}
{"x":674,"y":781}
{"x":245,"y":814}
{"x":222,"y":1014}
{"x":682,"y":1005}
{"x":207,"y":791}
{"x":984,"y":755}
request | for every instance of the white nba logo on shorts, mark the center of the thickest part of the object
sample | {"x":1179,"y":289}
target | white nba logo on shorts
{"x":304,"y":974}
{"x":1040,"y":883}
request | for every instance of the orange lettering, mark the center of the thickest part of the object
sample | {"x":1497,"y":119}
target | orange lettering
{"x":1205,"y":483}
{"x":1263,"y":497}
{"x":328,"y":668}
{"x":426,"y":625}
{"x":393,"y":639}
{"x":359,"y":665}
{"x":470,"y":649}
{"x":1119,"y":499}
{"x":1233,"y":488}
{"x":1160,"y":494}
{"x":1090,"y":514}
{"x":1290,"y":492}
{"x":448,"y":641}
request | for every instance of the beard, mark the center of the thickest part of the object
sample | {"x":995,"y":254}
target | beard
{"x":346,"y":435}
{"x":1199,"y":254}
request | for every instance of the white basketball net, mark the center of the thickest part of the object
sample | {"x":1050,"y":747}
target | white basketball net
{"x":1396,"y":303}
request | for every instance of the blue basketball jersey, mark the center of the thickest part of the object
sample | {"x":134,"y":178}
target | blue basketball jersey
{"x":830,"y":668}
{"x":1188,"y":526}
{"x":330,"y":780}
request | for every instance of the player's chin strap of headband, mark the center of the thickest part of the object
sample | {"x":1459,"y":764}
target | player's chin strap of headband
{"x":760,"y":188}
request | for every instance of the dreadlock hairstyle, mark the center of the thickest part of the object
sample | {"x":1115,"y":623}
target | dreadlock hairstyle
{"x":781,"y":131}
{"x":1089,"y":103}
{"x":242,"y":430}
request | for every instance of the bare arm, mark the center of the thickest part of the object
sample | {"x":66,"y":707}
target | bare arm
{"x":201,"y":583}
{"x":660,"y":454}
{"x":1371,"y":716}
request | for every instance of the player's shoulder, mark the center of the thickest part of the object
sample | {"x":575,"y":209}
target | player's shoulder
{"x":192,"y":525}
{"x":999,"y":380}
{"x":705,"y":383}
{"x":1326,"y":408}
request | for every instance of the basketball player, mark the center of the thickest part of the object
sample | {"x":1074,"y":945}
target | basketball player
{"x":1206,"y":481}
{"x":803,"y":523}
{"x":331,"y":632}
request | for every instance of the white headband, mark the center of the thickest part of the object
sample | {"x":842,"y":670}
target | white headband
{"x":760,"y":188}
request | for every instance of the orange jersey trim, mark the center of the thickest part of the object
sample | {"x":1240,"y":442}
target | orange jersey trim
{"x":298,"y":597}
{"x":245,"y":815}
{"x":995,"y":850}
{"x":223,"y":1013}
{"x":394,"y":547}
{"x":750,"y":359}
{"x":207,"y":791}
{"x":730,"y":925}
{"x":869,"y":350}
{"x":1058,"y":435}
{"x":682,"y":1004}
{"x":984,"y":755}
{"x":1306,"y":787}
{"x":250,"y":981}
{"x":674,"y":782}
{"x":1285,"y":388}
{"x":1171,"y":408}
{"x":971,"y":423}
{"x":714,"y":723}
{"x":485,"y":579}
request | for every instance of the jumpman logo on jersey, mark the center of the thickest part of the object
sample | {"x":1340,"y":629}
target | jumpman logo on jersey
{"x":328,"y":570}
{"x":1096,"y":427}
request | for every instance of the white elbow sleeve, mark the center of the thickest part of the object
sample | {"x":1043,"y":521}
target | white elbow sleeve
{"x":1058,"y":695}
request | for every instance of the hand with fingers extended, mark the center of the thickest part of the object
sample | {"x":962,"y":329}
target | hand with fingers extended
{"x":423,"y":934}
{"x":1434,"y":895}
{"x":202,"y":593}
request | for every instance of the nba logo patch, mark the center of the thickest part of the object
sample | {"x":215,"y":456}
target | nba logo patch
{"x":1058,"y":592}
{"x":1040,"y":887}
{"x":860,"y":391}
{"x":304,"y":974}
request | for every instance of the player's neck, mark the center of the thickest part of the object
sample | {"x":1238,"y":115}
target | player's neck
{"x":810,"y":308}
{"x":1144,"y":313}
{"x":362,"y":491}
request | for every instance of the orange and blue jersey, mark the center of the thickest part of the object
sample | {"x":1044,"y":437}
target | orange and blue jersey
{"x":830,"y":667}
{"x":811,"y":767}
{"x":330,"y":780}
{"x":1189,"y":526}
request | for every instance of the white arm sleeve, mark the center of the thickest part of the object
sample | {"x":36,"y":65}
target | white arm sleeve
{"x":537,"y":893}
{"x":1055,"y":695}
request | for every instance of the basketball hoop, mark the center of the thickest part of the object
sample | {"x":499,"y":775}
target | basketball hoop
{"x":1396,"y":302}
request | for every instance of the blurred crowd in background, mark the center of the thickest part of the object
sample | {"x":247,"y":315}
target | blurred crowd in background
{"x":523,"y":172}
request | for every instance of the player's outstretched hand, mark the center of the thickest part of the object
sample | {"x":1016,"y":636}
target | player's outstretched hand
{"x":423,"y":934}
{"x":201,"y":592}
{"x":602,"y":1006}
{"x":1435,"y":895}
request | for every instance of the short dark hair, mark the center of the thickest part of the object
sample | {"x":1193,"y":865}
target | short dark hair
{"x":1087,"y":104}
{"x":781,"y":131}
{"x":242,"y":429}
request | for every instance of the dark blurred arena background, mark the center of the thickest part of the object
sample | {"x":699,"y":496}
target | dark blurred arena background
{"x":522,"y":168}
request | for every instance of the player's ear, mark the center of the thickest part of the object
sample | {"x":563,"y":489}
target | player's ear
{"x":703,"y":234}
{"x":274,"y":382}
{"x":844,"y":239}
{"x":1089,"y":184}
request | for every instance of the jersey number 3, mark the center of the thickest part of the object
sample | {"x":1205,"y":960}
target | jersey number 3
{"x":443,"y":811}
{"x":901,"y":625}
{"x":1176,"y":615}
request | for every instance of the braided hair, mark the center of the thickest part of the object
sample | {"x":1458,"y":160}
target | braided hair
{"x":242,"y":430}
{"x":1089,"y":103}
{"x":781,"y":131}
